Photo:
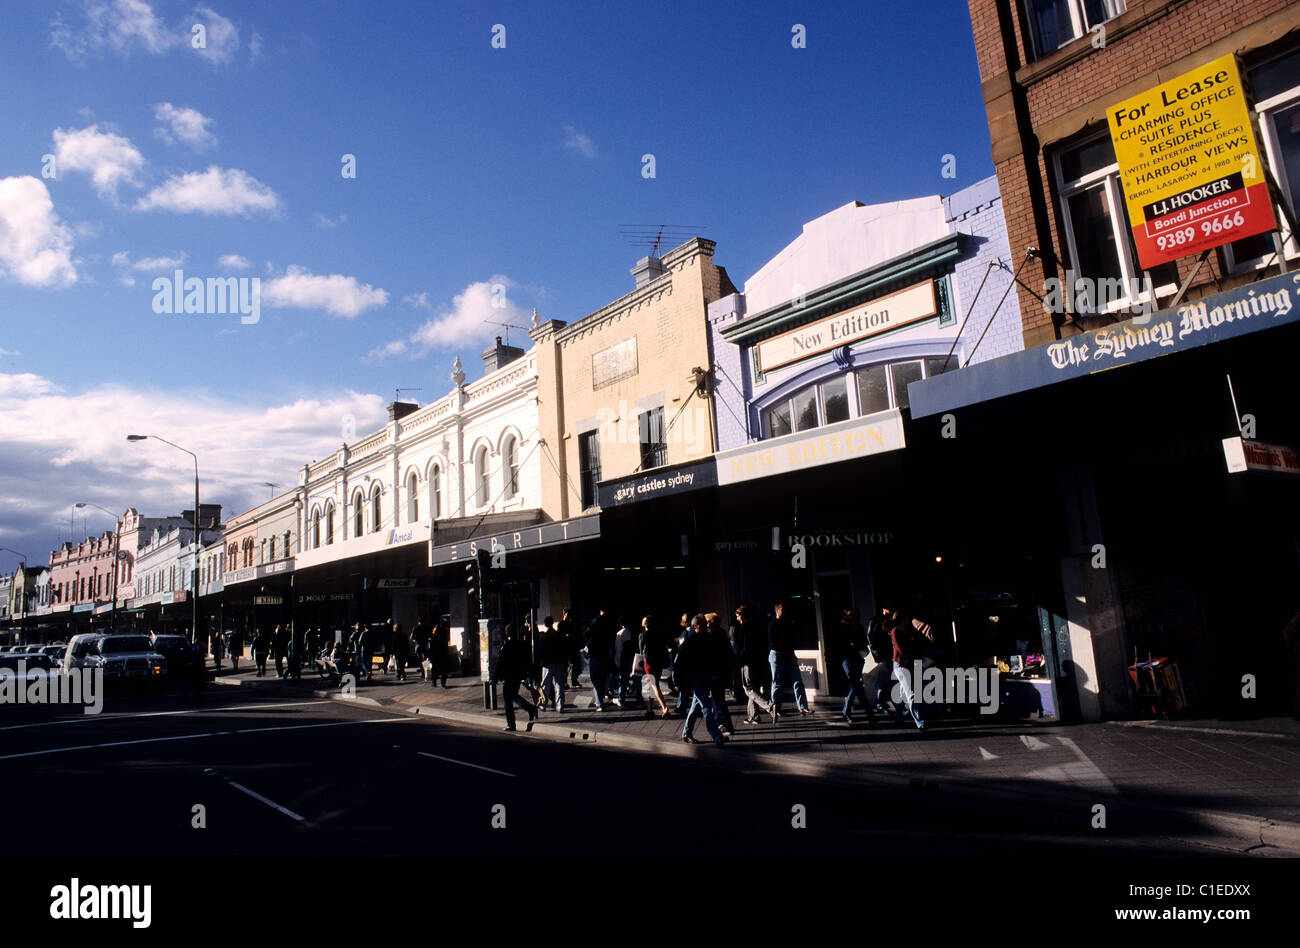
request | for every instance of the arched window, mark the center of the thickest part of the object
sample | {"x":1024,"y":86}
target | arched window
{"x":264,"y":551}
{"x":272,"y":548}
{"x":482,"y":478}
{"x":358,"y":515}
{"x":315,"y":529}
{"x":376,"y":510}
{"x":510,"y":465}
{"x":329,"y":525}
{"x":412,"y":498}
{"x":435,"y":493}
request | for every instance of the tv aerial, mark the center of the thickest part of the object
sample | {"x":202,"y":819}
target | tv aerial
{"x":654,"y":237}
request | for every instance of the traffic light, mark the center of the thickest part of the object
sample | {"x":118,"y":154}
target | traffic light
{"x":472,"y":579}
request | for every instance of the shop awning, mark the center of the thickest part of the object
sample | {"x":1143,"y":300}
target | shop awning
{"x":1248,"y":309}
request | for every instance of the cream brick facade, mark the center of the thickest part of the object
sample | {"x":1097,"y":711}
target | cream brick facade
{"x":665,"y":320}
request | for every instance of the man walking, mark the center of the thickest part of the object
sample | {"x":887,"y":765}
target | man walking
{"x":513,"y":664}
{"x":697,"y":662}
{"x":851,"y":641}
{"x":600,"y":652}
{"x":903,"y":636}
{"x":401,"y":647}
{"x":569,"y":632}
{"x":781,"y":637}
{"x":439,"y":642}
{"x":747,"y":644}
{"x":554,"y":660}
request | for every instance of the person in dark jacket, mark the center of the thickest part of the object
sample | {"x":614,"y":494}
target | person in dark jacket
{"x":697,"y":663}
{"x":747,"y":645}
{"x":234,"y":645}
{"x":681,"y":684}
{"x":600,"y":654}
{"x":555,"y":659}
{"x":654,"y":653}
{"x":401,"y":647}
{"x":781,"y":637}
{"x":261,"y":649}
{"x":280,"y":648}
{"x":907,"y":637}
{"x":439,"y":642}
{"x":569,"y":630}
{"x":724,"y":666}
{"x":850,"y":642}
{"x":513,"y":664}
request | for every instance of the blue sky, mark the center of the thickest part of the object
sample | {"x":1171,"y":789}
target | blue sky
{"x":474,"y":165}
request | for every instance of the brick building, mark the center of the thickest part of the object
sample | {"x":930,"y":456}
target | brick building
{"x":1111,"y":437}
{"x":1050,"y":70}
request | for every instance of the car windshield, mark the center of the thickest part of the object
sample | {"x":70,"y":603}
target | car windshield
{"x":170,"y":642}
{"x":124,"y":643}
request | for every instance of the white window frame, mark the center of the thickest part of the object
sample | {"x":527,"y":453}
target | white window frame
{"x":1078,"y":23}
{"x":412,"y":497}
{"x":482,"y":478}
{"x":1265,"y":112}
{"x":1116,"y":210}
{"x":435,"y":493}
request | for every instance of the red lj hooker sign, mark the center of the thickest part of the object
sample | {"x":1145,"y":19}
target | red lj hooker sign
{"x":1189,"y":164}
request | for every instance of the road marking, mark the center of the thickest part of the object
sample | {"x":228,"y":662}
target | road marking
{"x":158,"y":714}
{"x":1091,"y":772}
{"x":257,"y":796}
{"x":451,"y":760}
{"x":187,"y":737}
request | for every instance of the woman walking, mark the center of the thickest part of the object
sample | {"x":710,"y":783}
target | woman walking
{"x":654,"y":655}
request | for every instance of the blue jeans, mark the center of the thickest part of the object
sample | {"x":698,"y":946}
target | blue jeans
{"x":903,"y":675}
{"x":553,"y":684}
{"x":853,"y":671}
{"x":599,"y":671}
{"x":702,"y":706}
{"x":785,"y":671}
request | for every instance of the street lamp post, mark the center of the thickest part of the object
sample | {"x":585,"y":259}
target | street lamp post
{"x":22,"y":563}
{"x":194,"y":555}
{"x":117,"y":566}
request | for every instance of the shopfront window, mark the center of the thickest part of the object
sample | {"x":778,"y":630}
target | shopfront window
{"x":865,"y":391}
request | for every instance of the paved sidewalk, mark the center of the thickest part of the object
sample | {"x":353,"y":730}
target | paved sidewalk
{"x":1241,"y":779}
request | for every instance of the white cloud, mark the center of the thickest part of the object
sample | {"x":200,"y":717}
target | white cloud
{"x":107,"y":157}
{"x":222,"y":39}
{"x":325,"y":223}
{"x":147,"y":264}
{"x":580,"y":142}
{"x":336,"y":294}
{"x":419,"y":301}
{"x":185,"y":125}
{"x":9,"y":352}
{"x":215,"y":191}
{"x":233,"y":261}
{"x":124,"y":26}
{"x":464,"y":322}
{"x":35,"y":246}
{"x":63,"y":442}
{"x":24,"y":385}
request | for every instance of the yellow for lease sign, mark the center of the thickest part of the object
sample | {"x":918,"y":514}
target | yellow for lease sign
{"x":1189,"y":164}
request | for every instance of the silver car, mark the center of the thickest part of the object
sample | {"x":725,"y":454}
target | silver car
{"x":128,"y":658}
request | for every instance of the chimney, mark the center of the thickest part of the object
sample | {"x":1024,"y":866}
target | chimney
{"x":647,"y":269}
{"x":497,"y":355}
{"x":401,"y":409}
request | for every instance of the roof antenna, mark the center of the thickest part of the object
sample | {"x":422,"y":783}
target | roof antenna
{"x":397,"y":394}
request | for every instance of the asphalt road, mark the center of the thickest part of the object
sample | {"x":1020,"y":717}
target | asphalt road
{"x":312,"y":778}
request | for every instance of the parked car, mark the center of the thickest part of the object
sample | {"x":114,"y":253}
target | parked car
{"x":183,"y":657}
{"x":55,"y":652}
{"x":78,"y":650}
{"x":34,"y":661}
{"x":126,"y":658}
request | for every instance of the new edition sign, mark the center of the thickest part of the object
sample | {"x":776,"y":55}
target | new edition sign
{"x":1189,"y":165}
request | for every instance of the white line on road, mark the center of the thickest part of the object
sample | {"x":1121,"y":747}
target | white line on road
{"x":451,"y":760}
{"x":271,"y":803}
{"x":159,"y":714}
{"x":187,"y":737}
